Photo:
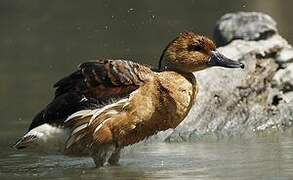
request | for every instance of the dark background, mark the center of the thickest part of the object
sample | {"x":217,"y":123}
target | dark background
{"x":42,"y":41}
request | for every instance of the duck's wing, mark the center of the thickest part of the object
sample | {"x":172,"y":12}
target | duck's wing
{"x":61,"y":107}
{"x":93,"y":85}
{"x":104,"y":79}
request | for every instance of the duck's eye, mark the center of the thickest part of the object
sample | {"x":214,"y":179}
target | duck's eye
{"x":194,"y":47}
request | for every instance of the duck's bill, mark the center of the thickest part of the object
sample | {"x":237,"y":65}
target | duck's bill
{"x":218,"y":59}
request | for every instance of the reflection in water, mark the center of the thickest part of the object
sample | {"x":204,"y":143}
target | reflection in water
{"x":268,"y":157}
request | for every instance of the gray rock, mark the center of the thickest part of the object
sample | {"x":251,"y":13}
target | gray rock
{"x":242,"y":102}
{"x":283,"y":79}
{"x":244,"y":25}
{"x":288,"y":97}
{"x":284,"y":57}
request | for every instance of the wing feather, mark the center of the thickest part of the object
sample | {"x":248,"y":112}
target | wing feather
{"x":104,"y":78}
{"x":92,"y":86}
{"x":89,"y":127}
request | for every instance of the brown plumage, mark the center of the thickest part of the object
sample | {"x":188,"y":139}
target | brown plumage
{"x":149,"y":101}
{"x":94,"y":84}
{"x":161,"y":102}
{"x":101,"y":79}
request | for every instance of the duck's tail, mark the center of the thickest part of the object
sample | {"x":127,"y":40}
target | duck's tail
{"x":24,"y":141}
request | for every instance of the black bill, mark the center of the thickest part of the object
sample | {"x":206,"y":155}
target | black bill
{"x":218,"y":59}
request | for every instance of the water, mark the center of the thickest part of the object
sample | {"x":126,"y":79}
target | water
{"x":43,"y":41}
{"x":262,"y":157}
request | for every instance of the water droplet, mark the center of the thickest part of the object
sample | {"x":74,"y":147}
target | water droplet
{"x":130,"y":10}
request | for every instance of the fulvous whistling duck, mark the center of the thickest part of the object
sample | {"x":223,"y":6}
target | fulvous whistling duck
{"x":108,"y":104}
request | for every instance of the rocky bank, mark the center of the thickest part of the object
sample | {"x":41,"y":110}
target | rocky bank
{"x":243,"y":102}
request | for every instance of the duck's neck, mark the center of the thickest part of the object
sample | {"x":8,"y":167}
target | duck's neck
{"x":183,"y":73}
{"x":165,"y":66}
{"x":190,"y":76}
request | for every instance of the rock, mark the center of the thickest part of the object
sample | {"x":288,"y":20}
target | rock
{"x":288,"y":97}
{"x":284,"y":57}
{"x":242,"y":102}
{"x":248,"y":26}
{"x":262,"y":48}
{"x":283,"y":79}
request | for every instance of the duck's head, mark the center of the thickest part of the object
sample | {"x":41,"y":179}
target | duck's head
{"x":191,"y":52}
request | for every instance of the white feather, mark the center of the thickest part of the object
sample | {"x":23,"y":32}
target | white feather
{"x":101,"y":125}
{"x":79,"y":128}
{"x":99,"y":111}
{"x":48,"y":138}
{"x":78,"y":114}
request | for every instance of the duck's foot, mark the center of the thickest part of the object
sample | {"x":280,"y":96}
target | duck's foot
{"x":106,"y":155}
{"x":114,"y":159}
{"x":102,"y":155}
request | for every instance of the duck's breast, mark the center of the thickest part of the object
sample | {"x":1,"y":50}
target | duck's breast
{"x":182,"y":91}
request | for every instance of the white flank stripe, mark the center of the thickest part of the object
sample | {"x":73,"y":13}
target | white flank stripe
{"x":99,"y":111}
{"x":125,"y":105}
{"x":96,"y":113}
{"x":100,"y":125}
{"x":77,"y":114}
{"x":79,"y":128}
{"x":112,"y":112}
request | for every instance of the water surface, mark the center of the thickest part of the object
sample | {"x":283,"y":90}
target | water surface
{"x":261,"y":157}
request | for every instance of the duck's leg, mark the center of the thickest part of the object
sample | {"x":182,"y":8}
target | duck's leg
{"x":102,"y":155}
{"x":114,"y":159}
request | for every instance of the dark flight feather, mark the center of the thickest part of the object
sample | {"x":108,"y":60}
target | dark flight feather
{"x":93,"y":85}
